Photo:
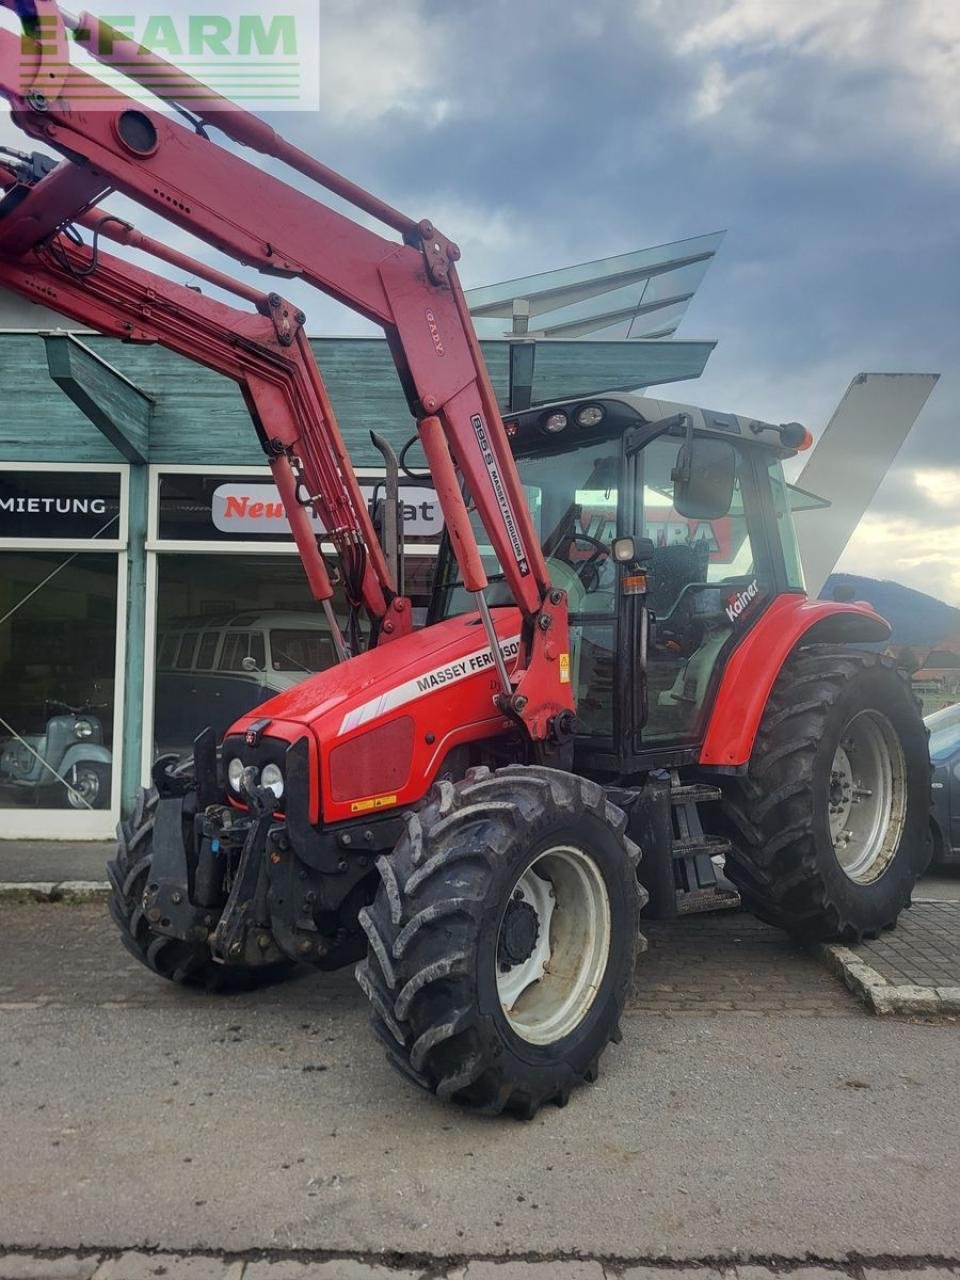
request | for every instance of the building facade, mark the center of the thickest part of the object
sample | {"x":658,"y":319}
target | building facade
{"x":148,"y":582}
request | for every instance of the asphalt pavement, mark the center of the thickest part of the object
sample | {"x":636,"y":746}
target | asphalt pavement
{"x":46,"y":861}
{"x":753,"y":1112}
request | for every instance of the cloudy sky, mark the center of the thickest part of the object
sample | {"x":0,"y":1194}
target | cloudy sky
{"x":823,"y":135}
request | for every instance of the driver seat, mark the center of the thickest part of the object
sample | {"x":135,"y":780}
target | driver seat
{"x":671,"y":569}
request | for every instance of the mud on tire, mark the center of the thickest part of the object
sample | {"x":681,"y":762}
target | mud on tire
{"x":784,"y":862}
{"x":431,"y":973}
{"x":187,"y":963}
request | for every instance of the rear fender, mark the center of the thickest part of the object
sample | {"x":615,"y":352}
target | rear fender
{"x":752,"y":671}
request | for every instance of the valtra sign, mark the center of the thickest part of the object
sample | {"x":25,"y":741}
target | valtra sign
{"x":255,"y":510}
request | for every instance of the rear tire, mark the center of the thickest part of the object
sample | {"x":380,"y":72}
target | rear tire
{"x":831,"y":825}
{"x":188,"y":963}
{"x":462,"y":926}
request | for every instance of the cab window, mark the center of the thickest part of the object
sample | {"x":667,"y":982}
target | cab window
{"x":704,"y":585}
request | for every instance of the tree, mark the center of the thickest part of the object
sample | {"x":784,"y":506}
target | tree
{"x":909,"y":659}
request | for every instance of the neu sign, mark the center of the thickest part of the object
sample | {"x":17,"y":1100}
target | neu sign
{"x":245,"y":509}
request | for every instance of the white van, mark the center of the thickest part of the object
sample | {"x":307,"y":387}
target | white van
{"x":211,"y":671}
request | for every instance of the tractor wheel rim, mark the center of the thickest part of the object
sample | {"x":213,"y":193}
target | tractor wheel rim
{"x":547,"y":993}
{"x":867,"y":796}
{"x":86,"y":788}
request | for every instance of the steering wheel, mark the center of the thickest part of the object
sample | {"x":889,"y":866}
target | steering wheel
{"x":587,"y":571}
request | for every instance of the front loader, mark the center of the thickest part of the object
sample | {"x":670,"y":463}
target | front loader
{"x":619,"y":655}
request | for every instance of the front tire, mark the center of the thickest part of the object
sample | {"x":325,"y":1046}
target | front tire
{"x":503,"y":938}
{"x":831,"y":825}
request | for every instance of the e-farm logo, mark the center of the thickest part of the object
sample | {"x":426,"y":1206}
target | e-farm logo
{"x":261,"y":58}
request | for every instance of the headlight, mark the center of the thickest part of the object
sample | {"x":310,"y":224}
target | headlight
{"x":273,"y":779}
{"x":555,"y":422}
{"x":591,"y":415}
{"x":235,"y":773}
{"x":83,"y":729}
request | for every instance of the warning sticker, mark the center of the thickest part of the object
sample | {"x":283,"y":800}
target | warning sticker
{"x":500,"y":493}
{"x":564,"y":668}
{"x":375,"y":802}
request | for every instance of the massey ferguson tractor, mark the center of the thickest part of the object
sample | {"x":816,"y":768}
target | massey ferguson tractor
{"x":620,"y":661}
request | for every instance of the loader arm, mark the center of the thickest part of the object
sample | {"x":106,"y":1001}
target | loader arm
{"x":409,"y":288}
{"x":266,"y":352}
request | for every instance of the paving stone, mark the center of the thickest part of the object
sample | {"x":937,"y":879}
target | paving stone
{"x":949,"y":999}
{"x":72,"y":891}
{"x":731,"y":963}
{"x":30,"y":1267}
{"x":161,"y":1266}
{"x":28,"y":891}
{"x":913,"y":970}
{"x":539,"y":1271}
{"x":911,"y":998}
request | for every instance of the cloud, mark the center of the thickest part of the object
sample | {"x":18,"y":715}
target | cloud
{"x":822,"y":135}
{"x":392,"y":61}
{"x":896,"y":65}
{"x":919,"y":553}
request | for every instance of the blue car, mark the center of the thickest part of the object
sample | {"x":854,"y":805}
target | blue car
{"x":944,"y":729}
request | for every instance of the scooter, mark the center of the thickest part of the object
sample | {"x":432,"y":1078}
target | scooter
{"x":69,"y":756}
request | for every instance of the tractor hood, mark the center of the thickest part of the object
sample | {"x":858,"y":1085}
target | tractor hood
{"x":380,"y":725}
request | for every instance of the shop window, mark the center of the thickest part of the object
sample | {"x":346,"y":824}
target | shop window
{"x":58,"y":635}
{"x":233,"y":631}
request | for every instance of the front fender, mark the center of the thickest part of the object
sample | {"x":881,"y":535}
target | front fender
{"x":752,"y":671}
{"x":84,"y":753}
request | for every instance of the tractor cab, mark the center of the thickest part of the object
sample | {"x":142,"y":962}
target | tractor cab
{"x":669,"y":527}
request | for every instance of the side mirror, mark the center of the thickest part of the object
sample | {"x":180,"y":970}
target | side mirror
{"x":249,"y":664}
{"x":704,"y":477}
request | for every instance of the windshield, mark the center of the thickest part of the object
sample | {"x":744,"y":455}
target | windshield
{"x":944,"y":729}
{"x":572,"y":497}
{"x":298,"y":650}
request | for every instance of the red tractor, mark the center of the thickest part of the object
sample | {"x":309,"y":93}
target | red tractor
{"x":619,"y":655}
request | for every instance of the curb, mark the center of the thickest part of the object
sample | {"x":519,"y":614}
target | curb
{"x":62,"y":891}
{"x":879,"y":995}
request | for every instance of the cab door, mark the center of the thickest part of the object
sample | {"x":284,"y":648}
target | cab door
{"x":708,"y":581}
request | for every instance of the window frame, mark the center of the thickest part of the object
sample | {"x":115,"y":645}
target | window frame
{"x":156,"y":546}
{"x":98,"y":824}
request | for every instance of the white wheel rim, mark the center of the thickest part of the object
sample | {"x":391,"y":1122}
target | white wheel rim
{"x":867,"y":797}
{"x":546,"y":995}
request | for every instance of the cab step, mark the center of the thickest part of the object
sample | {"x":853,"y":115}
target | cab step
{"x":694,"y":793}
{"x":698,"y":878}
{"x":700,"y":846}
